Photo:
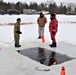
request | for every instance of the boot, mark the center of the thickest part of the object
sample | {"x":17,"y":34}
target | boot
{"x":53,"y":45}
{"x":39,"y":37}
{"x":17,"y":45}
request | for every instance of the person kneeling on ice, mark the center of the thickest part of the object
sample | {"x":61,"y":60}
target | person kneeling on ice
{"x":53,"y":28}
{"x":17,"y":32}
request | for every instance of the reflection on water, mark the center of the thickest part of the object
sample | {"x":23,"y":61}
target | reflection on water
{"x":52,"y":60}
{"x":41,"y":55}
{"x":44,"y":56}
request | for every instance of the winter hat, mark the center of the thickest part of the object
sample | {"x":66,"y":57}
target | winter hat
{"x":41,"y":15}
{"x":53,"y":15}
{"x":18,"y":19}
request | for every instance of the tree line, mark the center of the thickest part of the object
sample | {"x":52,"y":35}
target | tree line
{"x":47,"y":6}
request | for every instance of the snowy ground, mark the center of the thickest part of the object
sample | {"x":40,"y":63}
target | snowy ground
{"x":11,"y":62}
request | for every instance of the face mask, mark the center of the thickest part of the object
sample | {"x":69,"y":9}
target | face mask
{"x":52,"y":18}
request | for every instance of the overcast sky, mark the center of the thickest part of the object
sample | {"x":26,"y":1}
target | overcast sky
{"x":39,"y":1}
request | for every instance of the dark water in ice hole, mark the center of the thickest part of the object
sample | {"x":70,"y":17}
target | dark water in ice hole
{"x":45,"y":56}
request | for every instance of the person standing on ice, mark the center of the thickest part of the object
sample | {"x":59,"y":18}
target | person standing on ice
{"x":53,"y":28}
{"x":17,"y":32}
{"x":41,"y":24}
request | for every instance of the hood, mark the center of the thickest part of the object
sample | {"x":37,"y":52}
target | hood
{"x":53,"y":15}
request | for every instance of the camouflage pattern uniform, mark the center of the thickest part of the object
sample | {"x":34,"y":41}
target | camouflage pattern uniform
{"x":16,"y":35}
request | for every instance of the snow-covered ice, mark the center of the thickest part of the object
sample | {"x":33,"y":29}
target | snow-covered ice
{"x":11,"y":62}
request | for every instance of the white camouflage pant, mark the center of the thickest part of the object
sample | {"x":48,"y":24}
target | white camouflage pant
{"x":41,"y":31}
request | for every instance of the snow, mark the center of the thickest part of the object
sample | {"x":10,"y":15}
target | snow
{"x":11,"y":62}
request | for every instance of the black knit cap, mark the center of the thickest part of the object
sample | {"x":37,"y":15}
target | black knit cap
{"x":18,"y":19}
{"x":40,"y":13}
{"x":52,"y":14}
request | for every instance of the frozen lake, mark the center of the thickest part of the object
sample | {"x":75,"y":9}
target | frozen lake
{"x":66,"y":27}
{"x":12,"y":62}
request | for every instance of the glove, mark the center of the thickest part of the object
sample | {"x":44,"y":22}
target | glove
{"x":18,"y":32}
{"x":53,"y":32}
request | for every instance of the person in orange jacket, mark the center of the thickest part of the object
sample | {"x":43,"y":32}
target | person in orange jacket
{"x":53,"y":28}
{"x":41,"y":21}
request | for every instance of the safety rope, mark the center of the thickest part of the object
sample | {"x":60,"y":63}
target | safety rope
{"x":38,"y":69}
{"x":7,"y":42}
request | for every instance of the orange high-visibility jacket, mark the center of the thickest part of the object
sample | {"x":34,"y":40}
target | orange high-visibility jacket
{"x":53,"y":25}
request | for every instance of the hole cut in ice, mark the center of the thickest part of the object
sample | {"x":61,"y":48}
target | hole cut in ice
{"x":44,"y":56}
